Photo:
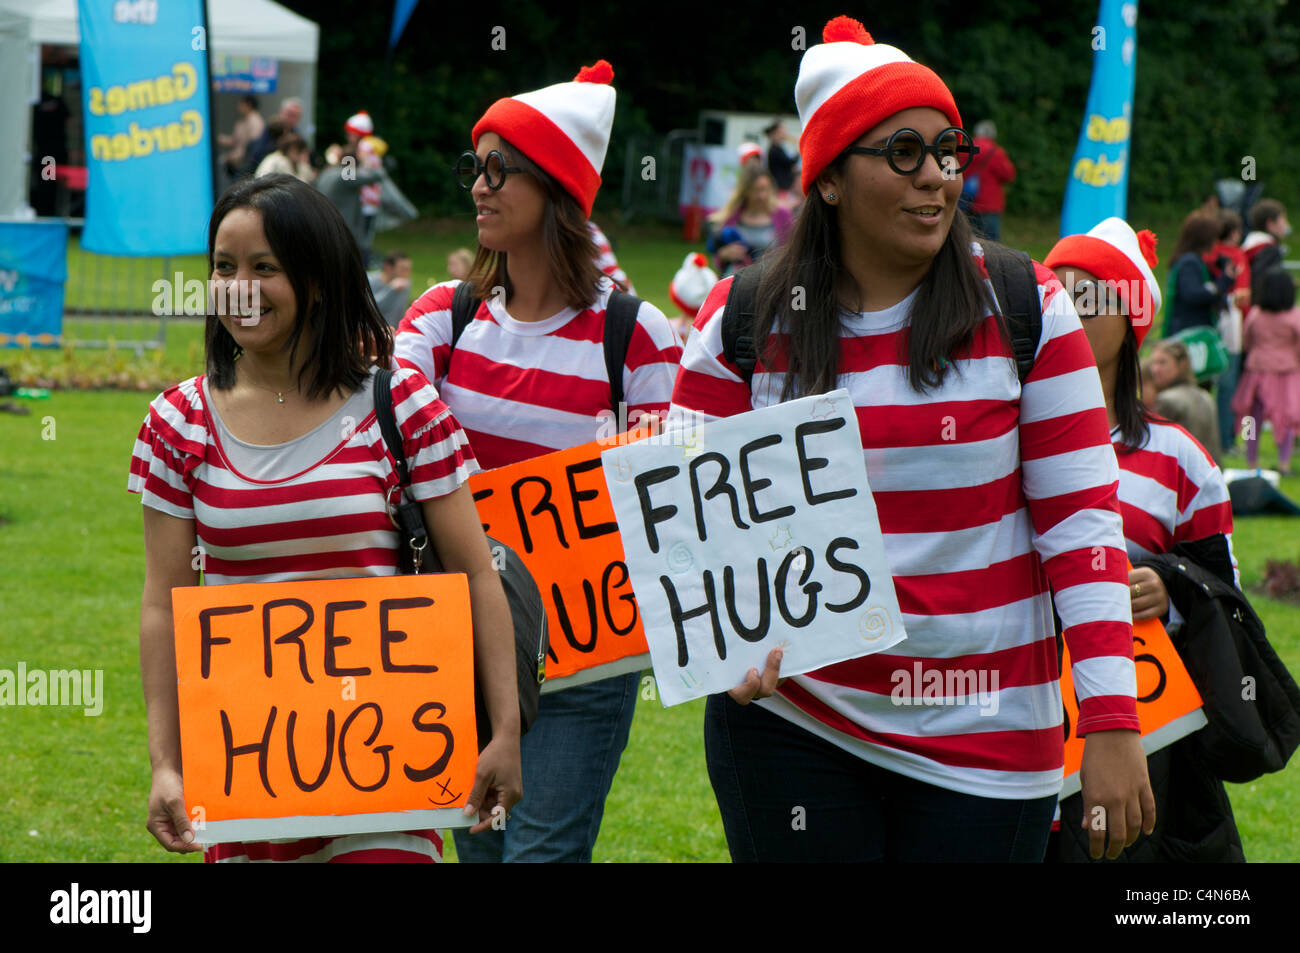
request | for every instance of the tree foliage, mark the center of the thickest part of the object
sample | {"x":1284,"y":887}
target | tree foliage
{"x":1217,"y":81}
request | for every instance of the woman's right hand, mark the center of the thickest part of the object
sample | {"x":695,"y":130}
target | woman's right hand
{"x":168,"y":822}
{"x":759,"y":686}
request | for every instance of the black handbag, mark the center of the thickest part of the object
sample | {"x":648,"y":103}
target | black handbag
{"x":527,"y":611}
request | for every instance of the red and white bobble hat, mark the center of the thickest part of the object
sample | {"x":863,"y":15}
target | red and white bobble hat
{"x":750,"y":150}
{"x":1112,"y":252}
{"x":849,"y":84}
{"x":360,"y":124}
{"x":563,"y":128}
{"x":692,"y":284}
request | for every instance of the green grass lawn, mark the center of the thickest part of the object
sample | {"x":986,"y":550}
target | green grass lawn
{"x":72,"y":568}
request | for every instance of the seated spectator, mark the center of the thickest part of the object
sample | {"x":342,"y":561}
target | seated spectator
{"x":748,"y":225}
{"x":290,"y":158}
{"x":1180,"y":400}
{"x":391,"y":286}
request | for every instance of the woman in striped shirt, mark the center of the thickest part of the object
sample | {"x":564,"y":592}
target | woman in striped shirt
{"x":528,"y":376}
{"x":988,"y":492}
{"x":1171,"y":494}
{"x":272,"y":467}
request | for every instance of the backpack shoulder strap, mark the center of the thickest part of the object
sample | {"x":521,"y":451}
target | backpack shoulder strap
{"x":620,"y":323}
{"x":388,"y":423}
{"x":738,"y":321}
{"x":463,"y":307}
{"x":1012,"y":275}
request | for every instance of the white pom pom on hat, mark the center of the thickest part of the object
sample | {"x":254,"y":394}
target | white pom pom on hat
{"x":849,"y":84}
{"x":1112,"y":251}
{"x":692,"y":284}
{"x":563,"y":128}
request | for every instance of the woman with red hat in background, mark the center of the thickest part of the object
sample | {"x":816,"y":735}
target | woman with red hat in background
{"x":988,"y":491}
{"x":528,"y":377}
{"x":1172,"y":497}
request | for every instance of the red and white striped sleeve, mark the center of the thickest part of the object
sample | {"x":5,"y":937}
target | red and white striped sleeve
{"x":606,"y":260}
{"x":708,"y":386}
{"x":172,"y":441}
{"x":438,"y":453}
{"x":1070,"y":480}
{"x":423,"y":337}
{"x":1204,"y":506}
{"x":653,"y":356}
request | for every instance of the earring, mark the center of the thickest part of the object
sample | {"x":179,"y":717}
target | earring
{"x":831,"y":198}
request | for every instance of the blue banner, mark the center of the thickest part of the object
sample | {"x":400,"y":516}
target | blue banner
{"x":145,"y":98}
{"x":402,"y":10}
{"x":1098,"y":184}
{"x":33,"y":269}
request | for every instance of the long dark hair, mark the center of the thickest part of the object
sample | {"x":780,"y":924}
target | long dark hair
{"x":338,"y":320}
{"x":953,"y":300}
{"x":570,"y":250}
{"x":1131,"y":415}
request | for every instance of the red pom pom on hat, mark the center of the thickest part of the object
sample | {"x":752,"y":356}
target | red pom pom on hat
{"x":598,"y":72}
{"x":699,"y":261}
{"x":845,"y":29}
{"x":1147,"y":245}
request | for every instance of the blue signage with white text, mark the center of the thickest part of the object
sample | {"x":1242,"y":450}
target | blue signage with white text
{"x":1098,"y":185}
{"x":145,"y":98}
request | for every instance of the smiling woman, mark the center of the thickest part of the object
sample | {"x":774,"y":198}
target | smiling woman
{"x":535,"y":369}
{"x":260,"y":469}
{"x":989,"y":488}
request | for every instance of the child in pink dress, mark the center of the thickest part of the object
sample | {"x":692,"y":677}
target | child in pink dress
{"x":1270,"y":386}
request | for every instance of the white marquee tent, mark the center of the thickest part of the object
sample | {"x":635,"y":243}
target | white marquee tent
{"x":258,"y":28}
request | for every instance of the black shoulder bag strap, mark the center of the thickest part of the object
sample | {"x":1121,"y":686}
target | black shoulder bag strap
{"x":620,"y":323}
{"x":463,"y":307}
{"x":738,"y":322}
{"x":1012,"y":275}
{"x":410,"y":517}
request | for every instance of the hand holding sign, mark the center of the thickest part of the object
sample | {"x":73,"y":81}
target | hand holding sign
{"x":324,"y":707}
{"x":751,"y":534}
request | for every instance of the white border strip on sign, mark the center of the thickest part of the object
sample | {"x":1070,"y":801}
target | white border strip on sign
{"x":329,"y":825}
{"x":1162,"y":737}
{"x":633,"y":663}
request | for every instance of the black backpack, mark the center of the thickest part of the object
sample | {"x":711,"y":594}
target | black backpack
{"x":1012,"y":275}
{"x":527,"y":611}
{"x":620,"y":322}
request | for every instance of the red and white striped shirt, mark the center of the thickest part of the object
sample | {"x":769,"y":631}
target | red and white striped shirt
{"x":326,"y":517}
{"x":526,"y":388}
{"x":987,"y":492}
{"x":1170,"y":492}
{"x":606,"y":260}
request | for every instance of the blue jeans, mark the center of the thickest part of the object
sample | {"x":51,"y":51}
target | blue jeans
{"x":788,"y":795}
{"x":1225,"y":388}
{"x":569,"y":758}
